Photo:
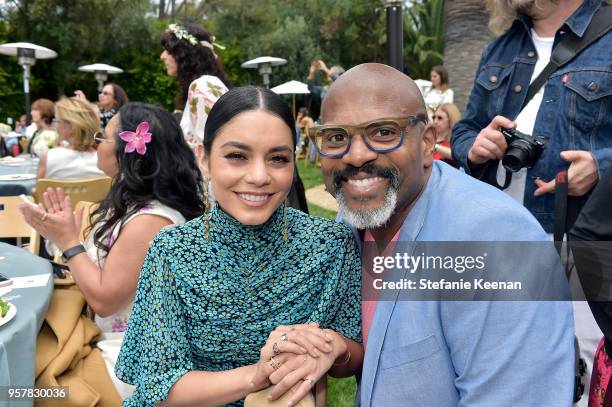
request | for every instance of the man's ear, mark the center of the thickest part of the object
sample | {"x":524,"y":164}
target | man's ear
{"x":429,"y":142}
{"x":202,"y":159}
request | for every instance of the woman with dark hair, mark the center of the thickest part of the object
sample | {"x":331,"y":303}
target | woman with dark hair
{"x":190,"y":57}
{"x":143,"y":150}
{"x":110,"y":100}
{"x":439,"y":92}
{"x":224,"y":301}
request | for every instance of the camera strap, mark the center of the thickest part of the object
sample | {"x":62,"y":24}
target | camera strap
{"x":563,"y":53}
{"x":571,"y":46}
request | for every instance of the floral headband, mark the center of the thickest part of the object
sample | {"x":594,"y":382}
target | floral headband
{"x":182,"y":34}
{"x":137,"y":141}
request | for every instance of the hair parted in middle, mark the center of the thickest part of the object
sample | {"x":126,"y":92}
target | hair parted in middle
{"x":245,"y":99}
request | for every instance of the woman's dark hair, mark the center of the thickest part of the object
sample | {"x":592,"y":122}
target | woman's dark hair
{"x":167,"y":172}
{"x":441,"y":70}
{"x":192,"y":61}
{"x":304,"y":111}
{"x":244,"y":99}
{"x":119,"y":96}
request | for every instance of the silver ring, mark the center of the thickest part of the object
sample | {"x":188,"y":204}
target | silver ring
{"x":275,"y":349}
{"x":44,"y":217}
{"x":283,"y":337}
{"x":309,"y":380}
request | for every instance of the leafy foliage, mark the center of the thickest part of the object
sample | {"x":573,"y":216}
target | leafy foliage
{"x":126,"y":33}
{"x":424,"y":37}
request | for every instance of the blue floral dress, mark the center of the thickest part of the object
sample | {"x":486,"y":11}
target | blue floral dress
{"x":210,"y":304}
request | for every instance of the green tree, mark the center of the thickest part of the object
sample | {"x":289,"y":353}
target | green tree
{"x":424,"y":37}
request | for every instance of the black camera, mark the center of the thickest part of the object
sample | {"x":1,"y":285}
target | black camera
{"x":523,"y":150}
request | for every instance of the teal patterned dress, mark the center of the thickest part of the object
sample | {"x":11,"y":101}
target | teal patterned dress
{"x":211,"y":304}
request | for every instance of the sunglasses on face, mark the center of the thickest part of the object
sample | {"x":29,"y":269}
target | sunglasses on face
{"x":99,"y":137}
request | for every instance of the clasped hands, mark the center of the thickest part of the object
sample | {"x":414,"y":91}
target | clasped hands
{"x":294,"y":354}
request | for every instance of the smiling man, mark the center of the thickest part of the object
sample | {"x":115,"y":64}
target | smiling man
{"x":376,"y":148}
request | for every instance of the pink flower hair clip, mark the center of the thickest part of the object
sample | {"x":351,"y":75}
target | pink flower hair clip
{"x":137,"y":141}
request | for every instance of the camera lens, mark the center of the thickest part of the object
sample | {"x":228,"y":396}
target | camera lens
{"x":516,"y":157}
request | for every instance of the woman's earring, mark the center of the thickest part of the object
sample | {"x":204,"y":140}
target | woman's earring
{"x":206,"y":207}
{"x":285,"y":233}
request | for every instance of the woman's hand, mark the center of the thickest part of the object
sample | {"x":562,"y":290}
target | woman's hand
{"x":286,"y":342}
{"x":58,"y":224}
{"x":305,"y":369}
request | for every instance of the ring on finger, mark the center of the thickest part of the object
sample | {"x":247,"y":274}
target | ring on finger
{"x":283,"y":337}
{"x":309,"y":380}
{"x":275,"y":349}
{"x":44,"y":217}
{"x":275,"y":363}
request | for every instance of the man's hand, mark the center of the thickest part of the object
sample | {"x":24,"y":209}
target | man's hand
{"x":581,"y":174}
{"x":490,"y":144}
{"x":314,"y":67}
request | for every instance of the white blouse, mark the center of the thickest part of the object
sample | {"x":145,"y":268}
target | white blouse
{"x":203,"y":93}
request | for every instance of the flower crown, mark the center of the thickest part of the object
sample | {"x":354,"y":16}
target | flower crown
{"x":182,"y":34}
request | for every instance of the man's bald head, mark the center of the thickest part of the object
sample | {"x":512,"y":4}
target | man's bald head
{"x":373,"y":85}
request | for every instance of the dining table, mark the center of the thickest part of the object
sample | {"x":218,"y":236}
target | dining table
{"x":30,"y":298}
{"x":18,"y":175}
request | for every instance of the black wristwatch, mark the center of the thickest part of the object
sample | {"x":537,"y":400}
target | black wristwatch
{"x":73,"y":251}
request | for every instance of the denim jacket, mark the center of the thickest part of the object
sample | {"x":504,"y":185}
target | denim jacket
{"x":576,"y":109}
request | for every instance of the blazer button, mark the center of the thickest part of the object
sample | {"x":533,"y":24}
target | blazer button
{"x":493,"y":79}
{"x":518,"y":88}
{"x":592,"y":86}
{"x":531,"y":54}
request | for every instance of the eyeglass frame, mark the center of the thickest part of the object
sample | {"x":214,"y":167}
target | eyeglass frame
{"x":99,"y":137}
{"x":403,"y":122}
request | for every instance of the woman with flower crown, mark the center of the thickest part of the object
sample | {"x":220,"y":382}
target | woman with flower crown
{"x":142,"y":148}
{"x":190,"y":57}
{"x":224,"y":301}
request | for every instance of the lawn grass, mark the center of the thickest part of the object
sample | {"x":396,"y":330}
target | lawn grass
{"x":311,"y":177}
{"x":341,"y":392}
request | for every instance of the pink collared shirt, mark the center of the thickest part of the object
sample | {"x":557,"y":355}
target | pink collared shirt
{"x":369,"y":306}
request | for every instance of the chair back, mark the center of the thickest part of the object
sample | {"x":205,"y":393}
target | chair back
{"x":12,"y":221}
{"x":88,"y":208}
{"x":91,"y":189}
{"x":14,"y":224}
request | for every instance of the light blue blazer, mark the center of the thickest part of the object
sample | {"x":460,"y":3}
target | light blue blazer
{"x":469,"y":353}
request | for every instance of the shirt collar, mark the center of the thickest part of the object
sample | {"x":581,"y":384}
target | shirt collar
{"x":577,"y":22}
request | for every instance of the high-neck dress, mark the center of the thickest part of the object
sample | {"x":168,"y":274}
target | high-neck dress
{"x":210,"y":304}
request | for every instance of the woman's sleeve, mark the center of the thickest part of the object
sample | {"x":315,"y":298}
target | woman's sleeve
{"x":347,"y":318}
{"x":202,"y":95}
{"x":155,"y":353}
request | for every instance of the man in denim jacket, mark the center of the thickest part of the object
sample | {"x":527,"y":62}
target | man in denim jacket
{"x":571,"y":112}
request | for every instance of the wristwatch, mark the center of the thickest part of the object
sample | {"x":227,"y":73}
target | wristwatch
{"x":73,"y":251}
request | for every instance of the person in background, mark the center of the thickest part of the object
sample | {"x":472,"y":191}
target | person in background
{"x":76,"y":123}
{"x":45,"y":136}
{"x":110,"y":100}
{"x":223,"y":301}
{"x":156,"y":184}
{"x":302,"y":123}
{"x":444,"y":119}
{"x":21,"y":125}
{"x":189,"y":56}
{"x":331,"y":74}
{"x":591,"y":243}
{"x":439,"y":92}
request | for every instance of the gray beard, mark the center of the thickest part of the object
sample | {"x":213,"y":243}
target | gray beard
{"x":369,"y":218}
